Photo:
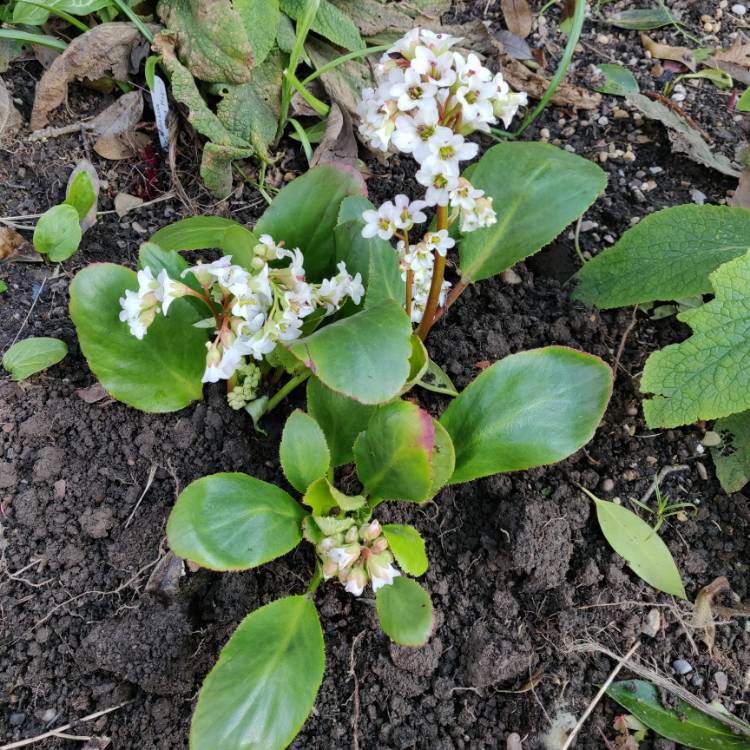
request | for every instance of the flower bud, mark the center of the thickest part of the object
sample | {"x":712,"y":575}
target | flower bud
{"x":355,"y":580}
{"x":351,"y":535}
{"x":381,"y":571}
{"x":345,"y":555}
{"x":379,"y":545}
{"x":370,"y":531}
{"x":330,"y":568}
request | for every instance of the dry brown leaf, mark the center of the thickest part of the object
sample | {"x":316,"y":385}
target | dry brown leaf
{"x":92,"y":394}
{"x":10,"y":118}
{"x":735,"y":60}
{"x":516,"y":47}
{"x":517,"y":16}
{"x":124,"y":202}
{"x":120,"y":116}
{"x":122,"y":146}
{"x":339,"y":146}
{"x":741,"y":197}
{"x":666,"y":52}
{"x":107,"y":47}
{"x":703,"y":615}
{"x":10,"y":242}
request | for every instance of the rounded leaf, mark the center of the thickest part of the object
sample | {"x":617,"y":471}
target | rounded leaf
{"x":233,"y":521}
{"x":32,"y":355}
{"x":408,"y":548}
{"x":304,"y":454}
{"x":159,"y":373}
{"x":264,"y":685}
{"x":58,"y":232}
{"x":405,"y":612}
{"x":529,"y":409}
{"x":443,"y":459}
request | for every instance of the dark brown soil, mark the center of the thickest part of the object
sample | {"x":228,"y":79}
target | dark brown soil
{"x":519,"y":569}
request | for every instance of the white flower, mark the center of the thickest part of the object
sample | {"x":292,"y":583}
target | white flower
{"x":506,"y":105}
{"x":439,"y":180}
{"x":413,"y":133}
{"x":332,"y":292}
{"x":438,"y":69}
{"x":411,"y":92}
{"x":381,"y":570}
{"x":476,"y":99}
{"x":480,"y":216}
{"x":220,"y":363}
{"x":407,"y":213}
{"x":439,"y":42}
{"x":169,"y":290}
{"x":370,"y":531}
{"x":469,"y":68}
{"x":206,"y":273}
{"x":139,"y":308}
{"x":448,"y":148}
{"x":269,"y":249}
{"x":465,"y":195}
{"x":255,"y":344}
{"x":287,"y":327}
{"x":439,"y":241}
{"x":406,"y":45}
{"x":345,"y":555}
{"x":381,"y":221}
{"x":355,"y":580}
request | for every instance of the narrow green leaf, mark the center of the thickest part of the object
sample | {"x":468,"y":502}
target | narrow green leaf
{"x":529,"y":409}
{"x":516,"y":176}
{"x":32,"y":355}
{"x":435,"y":379}
{"x":618,"y":80}
{"x":405,"y":612}
{"x":58,"y":233}
{"x":732,"y":456}
{"x":667,"y":256}
{"x":304,"y":453}
{"x":394,"y":454}
{"x":340,"y":418}
{"x":683,"y":723}
{"x":408,"y":548}
{"x":641,"y":19}
{"x":264,"y":685}
{"x":233,"y":521}
{"x":342,"y":355}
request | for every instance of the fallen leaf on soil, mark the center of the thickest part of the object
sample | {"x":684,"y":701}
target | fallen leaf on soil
{"x":684,"y":137}
{"x":10,"y":241}
{"x":517,"y":16}
{"x":92,"y":394}
{"x":741,"y":197}
{"x":516,"y":47}
{"x":483,"y":364}
{"x":735,"y":60}
{"x":85,"y":165}
{"x":125,"y":202}
{"x":165,"y":579}
{"x":122,"y":146}
{"x":703,"y":616}
{"x":666,"y":52}
{"x":120,"y":116}
{"x":107,"y":47}
{"x":339,"y":146}
{"x":10,"y":118}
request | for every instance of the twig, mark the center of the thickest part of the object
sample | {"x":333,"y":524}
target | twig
{"x":149,"y":482}
{"x":659,"y":478}
{"x":621,"y":347}
{"x":599,"y":695}
{"x":31,"y":309}
{"x":59,"y":731}
{"x":356,"y":709}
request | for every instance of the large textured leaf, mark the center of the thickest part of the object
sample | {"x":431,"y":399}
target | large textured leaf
{"x":29,"y":356}
{"x":340,"y":418}
{"x":364,"y":357}
{"x":537,"y":190}
{"x":233,"y":521}
{"x":405,"y":612}
{"x":706,"y":376}
{"x":529,"y":409}
{"x":305,"y":213}
{"x":160,"y":373}
{"x":330,"y":22}
{"x":260,"y":18}
{"x":683,"y":723}
{"x":732,"y":456}
{"x":211,"y":39}
{"x":304,"y":453}
{"x":667,"y":256}
{"x":264,"y":685}
{"x":394,"y":454}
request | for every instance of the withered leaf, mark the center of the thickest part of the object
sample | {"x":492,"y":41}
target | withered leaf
{"x":517,"y":16}
{"x":124,"y":202}
{"x":703,"y":615}
{"x":120,"y":116}
{"x":10,"y":118}
{"x":107,"y":47}
{"x":735,"y":60}
{"x":666,"y":52}
{"x":121,"y":146}
{"x":339,"y":146}
{"x":741,"y":197}
{"x":10,"y":242}
{"x":516,"y":47}
{"x":92,"y":394}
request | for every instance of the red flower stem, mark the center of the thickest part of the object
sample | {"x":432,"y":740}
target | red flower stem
{"x":438,"y":273}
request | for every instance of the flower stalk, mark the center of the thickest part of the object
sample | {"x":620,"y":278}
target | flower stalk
{"x":436,"y":287}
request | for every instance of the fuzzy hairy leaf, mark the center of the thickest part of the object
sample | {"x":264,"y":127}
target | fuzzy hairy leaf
{"x":732,"y":457}
{"x":261,"y":18}
{"x":667,"y":256}
{"x":330,"y":22}
{"x":705,"y":376}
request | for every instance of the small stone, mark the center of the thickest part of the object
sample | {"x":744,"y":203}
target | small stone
{"x":648,"y":186}
{"x":602,"y":39}
{"x":602,"y":156}
{"x":722,"y":681}
{"x":629,"y":156}
{"x":603,"y":120}
{"x":59,"y":487}
{"x":608,"y":485}
{"x":651,"y":623}
{"x":630,"y":475}
{"x":739,"y":9}
{"x":655,"y":170}
{"x":17,"y":719}
{"x":680,"y":666}
{"x":698,"y":197}
{"x":509,"y":276}
{"x":697,"y":680}
{"x":544,"y":134}
{"x":702,"y":473}
{"x":138,"y":227}
{"x":620,"y":114}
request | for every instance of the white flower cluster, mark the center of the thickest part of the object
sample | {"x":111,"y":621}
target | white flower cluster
{"x":358,"y":557}
{"x":252,"y":311}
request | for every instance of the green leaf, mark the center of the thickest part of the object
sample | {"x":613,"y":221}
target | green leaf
{"x":58,"y":233}
{"x":732,"y":457}
{"x":641,"y":19}
{"x":683,"y":723}
{"x":720,"y":78}
{"x":443,"y":459}
{"x":211,"y":39}
{"x":667,"y":256}
{"x":340,"y":418}
{"x":32,"y":355}
{"x":405,"y":612}
{"x":81,"y":194}
{"x":162,"y":372}
{"x":408,"y":548}
{"x":3,"y":287}
{"x":417,"y":363}
{"x":384,"y":275}
{"x":263,"y":687}
{"x":705,"y":376}
{"x":639,"y":545}
{"x":529,"y":409}
{"x":743,"y":103}
{"x":394,"y":454}
{"x":556,"y":186}
{"x":342,"y":354}
{"x":330,"y":22}
{"x":323,"y":497}
{"x":233,"y":521}
{"x":194,"y":233}
{"x":618,"y":80}
{"x":436,"y":380}
{"x":260,"y":18}
{"x":304,"y":454}
{"x":305,"y":213}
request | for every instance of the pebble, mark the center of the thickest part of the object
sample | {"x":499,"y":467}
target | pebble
{"x":17,"y":719}
{"x":702,"y":473}
{"x":739,"y":9}
{"x":697,"y":680}
{"x":680,"y":666}
{"x":652,"y":623}
{"x":603,"y":120}
{"x":698,"y":197}
{"x":679,"y":93}
{"x":509,"y":276}
{"x":629,"y":156}
{"x":608,"y":485}
{"x":722,"y":681}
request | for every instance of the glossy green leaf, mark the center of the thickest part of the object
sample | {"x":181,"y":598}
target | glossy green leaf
{"x":323,"y":497}
{"x":639,"y":545}
{"x":81,"y":194}
{"x":559,"y":185}
{"x":33,"y":15}
{"x":29,"y":356}
{"x":194,"y":233}
{"x":263,"y":687}
{"x":443,"y":459}
{"x":304,"y":453}
{"x":666,"y":256}
{"x":343,"y":356}
{"x":261,"y":18}
{"x":330,"y":22}
{"x":618,"y":80}
{"x":160,"y":373}
{"x":233,"y":521}
{"x":408,"y":548}
{"x":641,"y":19}
{"x":58,"y":233}
{"x":305,"y":213}
{"x":683,"y":723}
{"x":435,"y":379}
{"x":743,"y":103}
{"x":3,"y":287}
{"x":706,"y":376}
{"x":417,"y":363}
{"x":405,"y":612}
{"x":529,"y":409}
{"x":340,"y":418}
{"x":732,"y":456}
{"x":394,"y":454}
